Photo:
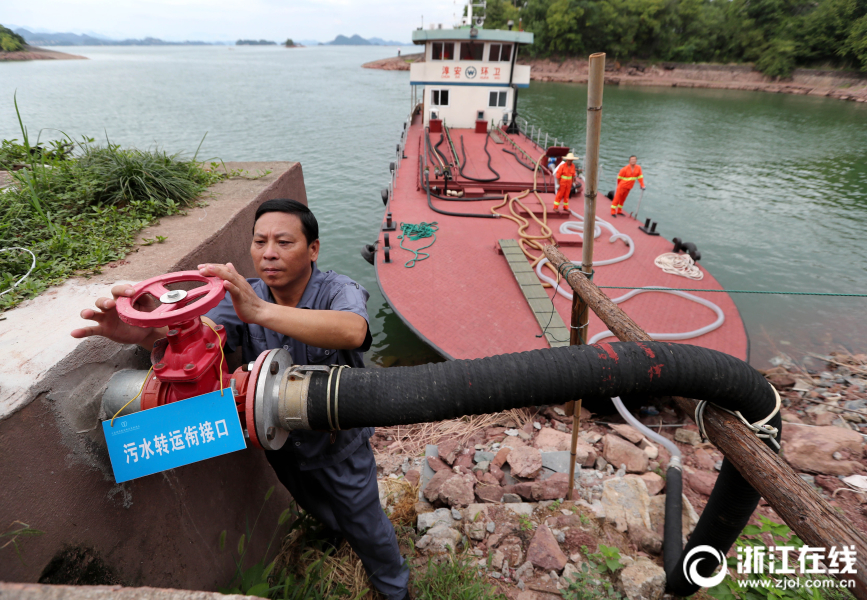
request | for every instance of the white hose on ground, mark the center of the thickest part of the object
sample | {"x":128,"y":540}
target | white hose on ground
{"x":30,"y":270}
{"x":649,"y":433}
{"x":720,"y":317}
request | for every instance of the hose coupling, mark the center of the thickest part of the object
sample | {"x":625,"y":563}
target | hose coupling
{"x":293,"y":393}
{"x":675,"y":463}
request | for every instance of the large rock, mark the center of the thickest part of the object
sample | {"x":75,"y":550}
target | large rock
{"x":551,"y":440}
{"x":812,"y":449}
{"x":440,"y":540}
{"x":628,"y":433}
{"x":437,"y":465}
{"x":552,"y":488}
{"x":626,"y":498}
{"x":449,"y":450}
{"x":701,"y":482}
{"x":654,"y":482}
{"x":643,"y":580}
{"x":618,"y":451}
{"x":525,"y":461}
{"x":646,"y":540}
{"x":458,"y":491}
{"x":432,"y":489}
{"x":657,"y":515}
{"x":501,"y":457}
{"x":441,"y":516}
{"x":489,"y":493}
{"x":544,"y":552}
{"x":687,"y":436}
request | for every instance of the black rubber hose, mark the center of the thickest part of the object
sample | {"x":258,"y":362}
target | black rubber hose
{"x":518,"y":158}
{"x":490,"y":168}
{"x":405,"y":395}
{"x":672,"y":546}
{"x":423,"y":177}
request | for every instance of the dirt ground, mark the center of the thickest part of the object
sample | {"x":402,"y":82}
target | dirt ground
{"x":34,"y":53}
{"x":843,"y":85}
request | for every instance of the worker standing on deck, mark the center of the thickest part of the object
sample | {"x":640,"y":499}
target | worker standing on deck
{"x":564,"y":175}
{"x":625,"y":180}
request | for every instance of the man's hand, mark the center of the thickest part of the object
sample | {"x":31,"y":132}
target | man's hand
{"x":108,"y":323}
{"x":248,"y":306}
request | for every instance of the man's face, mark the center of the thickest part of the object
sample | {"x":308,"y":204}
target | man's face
{"x":280,"y":251}
{"x":632,"y":160}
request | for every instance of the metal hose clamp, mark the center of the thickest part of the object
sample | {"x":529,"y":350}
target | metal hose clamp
{"x":337,"y":394}
{"x":760,"y":428}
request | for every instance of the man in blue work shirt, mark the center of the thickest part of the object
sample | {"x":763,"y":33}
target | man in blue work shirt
{"x":320,"y":318}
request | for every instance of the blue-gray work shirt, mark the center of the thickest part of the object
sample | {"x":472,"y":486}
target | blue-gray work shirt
{"x":324,"y":291}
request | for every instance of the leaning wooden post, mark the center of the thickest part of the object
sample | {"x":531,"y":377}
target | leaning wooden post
{"x":580,"y":312}
{"x":806,"y":512}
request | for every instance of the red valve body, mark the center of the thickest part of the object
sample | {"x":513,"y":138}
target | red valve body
{"x":188,"y":363}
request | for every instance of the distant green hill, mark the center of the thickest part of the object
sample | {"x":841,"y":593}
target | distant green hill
{"x":355,"y":40}
{"x":255,"y":43}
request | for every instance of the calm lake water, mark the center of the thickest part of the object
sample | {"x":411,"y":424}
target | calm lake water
{"x":772,"y":188}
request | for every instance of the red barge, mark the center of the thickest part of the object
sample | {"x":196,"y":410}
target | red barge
{"x":468,"y":164}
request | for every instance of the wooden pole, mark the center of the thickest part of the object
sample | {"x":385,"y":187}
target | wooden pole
{"x":580,"y":312}
{"x":814,"y":520}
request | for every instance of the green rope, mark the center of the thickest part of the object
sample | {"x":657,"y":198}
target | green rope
{"x":619,"y":287}
{"x":416,"y":232}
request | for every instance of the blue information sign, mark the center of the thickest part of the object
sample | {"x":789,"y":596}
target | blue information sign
{"x":172,"y":435}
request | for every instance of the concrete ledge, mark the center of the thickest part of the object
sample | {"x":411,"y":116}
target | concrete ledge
{"x":32,"y":591}
{"x":55,"y":473}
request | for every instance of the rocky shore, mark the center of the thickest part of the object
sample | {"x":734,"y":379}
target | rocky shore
{"x":842,"y":85}
{"x":495,"y":488}
{"x":34,"y":53}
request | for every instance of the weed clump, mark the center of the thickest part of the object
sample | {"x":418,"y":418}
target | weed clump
{"x":79,"y":205}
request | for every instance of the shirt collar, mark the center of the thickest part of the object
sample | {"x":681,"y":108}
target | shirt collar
{"x":311,"y":292}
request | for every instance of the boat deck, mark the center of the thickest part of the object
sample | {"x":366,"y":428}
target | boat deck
{"x":465,"y":301}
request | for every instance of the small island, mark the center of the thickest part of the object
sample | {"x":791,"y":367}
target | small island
{"x":14,"y":47}
{"x":255,"y":43}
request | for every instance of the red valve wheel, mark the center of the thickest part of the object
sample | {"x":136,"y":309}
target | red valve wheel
{"x":177,"y":305}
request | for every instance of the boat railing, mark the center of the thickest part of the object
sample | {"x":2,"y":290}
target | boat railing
{"x":539,"y":137}
{"x":401,"y":147}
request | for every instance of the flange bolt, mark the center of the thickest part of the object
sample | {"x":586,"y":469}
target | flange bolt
{"x":189,"y":367}
{"x":274,"y":367}
{"x":271,"y":434}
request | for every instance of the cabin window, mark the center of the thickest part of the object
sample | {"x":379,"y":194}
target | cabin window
{"x":494,"y":53}
{"x":443,"y":51}
{"x":497,"y":99}
{"x":506,"y":52}
{"x":472,"y":51}
{"x":440,"y":98}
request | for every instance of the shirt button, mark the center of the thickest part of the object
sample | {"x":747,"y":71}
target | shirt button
{"x":285,"y":347}
{"x":327,"y":352}
{"x":297,"y":443}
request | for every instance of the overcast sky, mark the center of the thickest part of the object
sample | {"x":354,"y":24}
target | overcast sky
{"x":227,"y":20}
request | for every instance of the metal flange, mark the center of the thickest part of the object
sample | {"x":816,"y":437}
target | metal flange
{"x":271,"y":434}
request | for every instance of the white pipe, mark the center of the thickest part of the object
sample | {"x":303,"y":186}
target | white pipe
{"x":659,"y":439}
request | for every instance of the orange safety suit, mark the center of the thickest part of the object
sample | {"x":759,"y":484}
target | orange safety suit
{"x":625,"y":180}
{"x":565,"y":175}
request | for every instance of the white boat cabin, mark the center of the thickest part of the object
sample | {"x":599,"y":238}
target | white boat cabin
{"x":469,"y":75}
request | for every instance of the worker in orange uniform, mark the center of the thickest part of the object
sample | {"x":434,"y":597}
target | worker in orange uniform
{"x":625,"y":180}
{"x":564,"y":175}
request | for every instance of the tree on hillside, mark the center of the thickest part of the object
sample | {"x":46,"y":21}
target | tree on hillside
{"x":10,"y":41}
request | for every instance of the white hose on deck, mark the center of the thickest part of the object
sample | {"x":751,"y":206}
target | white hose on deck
{"x":577,"y":228}
{"x":720,"y":317}
{"x":632,"y":420}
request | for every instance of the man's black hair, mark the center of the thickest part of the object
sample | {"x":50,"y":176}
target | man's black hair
{"x":309,"y":224}
{"x":633,"y":156}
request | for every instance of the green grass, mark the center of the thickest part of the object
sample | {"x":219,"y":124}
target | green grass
{"x":80,"y":208}
{"x":454,"y":579}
